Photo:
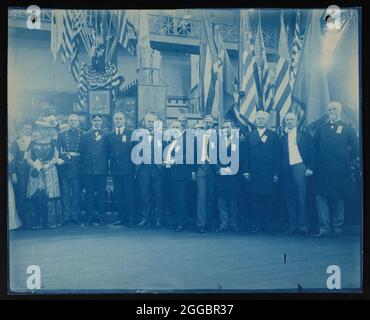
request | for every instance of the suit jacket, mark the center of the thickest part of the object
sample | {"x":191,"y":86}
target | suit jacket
{"x":179,"y":172}
{"x":335,"y":146}
{"x":94,"y":155}
{"x":158,"y":168}
{"x":206,"y":169}
{"x":261,"y":160}
{"x":70,"y":141}
{"x":119,"y":153}
{"x":228,"y":186}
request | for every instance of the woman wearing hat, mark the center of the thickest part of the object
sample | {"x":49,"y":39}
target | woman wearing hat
{"x":44,"y":209}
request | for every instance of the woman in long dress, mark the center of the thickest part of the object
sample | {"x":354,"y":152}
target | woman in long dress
{"x":44,"y":209}
{"x":14,"y":222}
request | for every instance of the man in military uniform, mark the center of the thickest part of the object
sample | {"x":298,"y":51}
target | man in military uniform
{"x":336,"y":145}
{"x":21,"y":167}
{"x":94,"y":159}
{"x":69,"y":145}
{"x":122,"y":169}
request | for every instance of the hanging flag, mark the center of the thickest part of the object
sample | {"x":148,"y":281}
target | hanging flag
{"x":311,"y":86}
{"x":194,"y":83}
{"x":266,"y":98}
{"x":296,"y":51}
{"x":297,"y":107}
{"x":64,"y":40}
{"x":208,"y":62}
{"x":248,"y":73}
{"x":283,"y":98}
{"x":227,"y":79}
{"x":126,"y":33}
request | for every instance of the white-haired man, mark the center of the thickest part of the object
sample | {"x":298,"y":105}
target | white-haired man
{"x":296,"y":166}
{"x":260,"y":169}
{"x":336,"y":145}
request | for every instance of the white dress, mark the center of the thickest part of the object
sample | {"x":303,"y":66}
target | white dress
{"x":14,"y":220}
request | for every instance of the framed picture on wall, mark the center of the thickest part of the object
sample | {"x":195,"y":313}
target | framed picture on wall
{"x":100,"y":102}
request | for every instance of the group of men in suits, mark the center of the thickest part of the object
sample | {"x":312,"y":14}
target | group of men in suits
{"x":265,"y":159}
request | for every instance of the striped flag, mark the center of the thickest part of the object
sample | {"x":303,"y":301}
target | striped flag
{"x":264,"y":72}
{"x":248,"y":73}
{"x":68,"y":43}
{"x":127,"y":36}
{"x":296,"y":51}
{"x":282,"y":79}
{"x":297,"y":106}
{"x":208,"y":65}
{"x":226,"y":80}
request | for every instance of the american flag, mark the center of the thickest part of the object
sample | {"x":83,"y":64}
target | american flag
{"x":248,"y":73}
{"x":283,"y":98}
{"x":267,"y":98}
{"x":69,"y":45}
{"x":297,"y":107}
{"x":208,"y":71}
{"x":296,"y":51}
{"x":127,"y":36}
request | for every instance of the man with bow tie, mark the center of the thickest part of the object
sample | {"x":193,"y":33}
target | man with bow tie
{"x":150,"y":177}
{"x":94,"y":159}
{"x":122,"y":170}
{"x":21,"y":172}
{"x":336,"y":145}
{"x":296,"y":167}
{"x":69,"y":145}
{"x":260,"y":170}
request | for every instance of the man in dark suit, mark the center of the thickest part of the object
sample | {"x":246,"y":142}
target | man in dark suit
{"x":295,"y":167}
{"x":122,"y":169}
{"x":94,"y":160}
{"x":150,"y":178}
{"x":228,"y":182}
{"x":336,"y":145}
{"x":261,"y":170}
{"x":69,"y":146}
{"x":205,"y":174}
{"x":179,"y":173}
{"x":21,"y":168}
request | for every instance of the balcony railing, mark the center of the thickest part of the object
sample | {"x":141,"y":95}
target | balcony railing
{"x":167,"y":26}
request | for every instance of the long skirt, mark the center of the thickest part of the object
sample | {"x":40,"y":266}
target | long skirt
{"x":44,"y":207}
{"x":14,"y":220}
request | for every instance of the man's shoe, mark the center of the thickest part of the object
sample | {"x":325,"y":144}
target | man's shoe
{"x":179,"y":228}
{"x":142,"y":223}
{"x":220,"y":229}
{"x":158,"y":223}
{"x":88,"y":223}
{"x":321,"y":234}
{"x":234,"y":229}
{"x":118,"y":223}
{"x":201,"y":230}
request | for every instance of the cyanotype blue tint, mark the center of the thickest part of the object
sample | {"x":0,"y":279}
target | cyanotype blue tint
{"x":184,"y":150}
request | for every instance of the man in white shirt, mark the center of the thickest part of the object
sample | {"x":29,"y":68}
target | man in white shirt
{"x":296,"y":167}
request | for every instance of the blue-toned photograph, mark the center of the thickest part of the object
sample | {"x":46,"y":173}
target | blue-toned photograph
{"x":184,"y":151}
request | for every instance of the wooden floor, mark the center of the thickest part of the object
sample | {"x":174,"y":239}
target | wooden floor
{"x":74,"y":258}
